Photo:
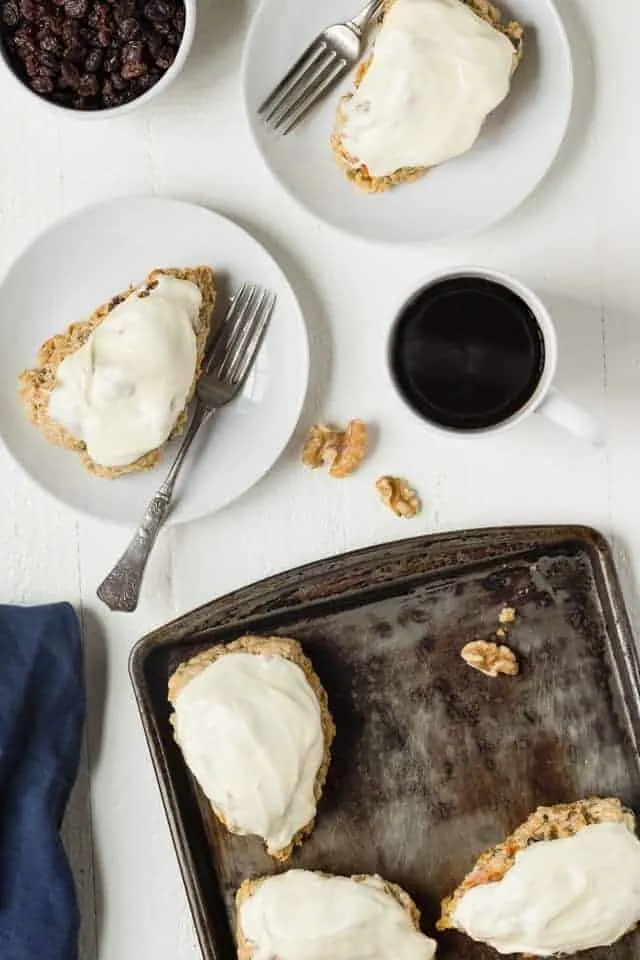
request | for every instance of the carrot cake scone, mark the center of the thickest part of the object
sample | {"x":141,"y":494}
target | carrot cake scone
{"x":438,"y":68}
{"x":252,"y":720}
{"x":302,"y":915}
{"x":567,"y":880}
{"x":115,"y":387}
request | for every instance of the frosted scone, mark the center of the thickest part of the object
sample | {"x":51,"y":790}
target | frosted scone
{"x":301,"y":915}
{"x":438,"y":68}
{"x":114,"y":388}
{"x":252,"y":721}
{"x":567,"y":880}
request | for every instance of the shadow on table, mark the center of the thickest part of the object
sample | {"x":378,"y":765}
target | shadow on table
{"x":599,"y":368}
{"x":318,"y":329}
{"x":584,"y":97}
{"x":77,"y":830}
{"x":220,"y":33}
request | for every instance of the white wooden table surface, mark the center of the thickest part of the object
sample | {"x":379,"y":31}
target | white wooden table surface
{"x":576,"y":241}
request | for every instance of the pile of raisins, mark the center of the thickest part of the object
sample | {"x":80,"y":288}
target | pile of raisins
{"x":91,"y":54}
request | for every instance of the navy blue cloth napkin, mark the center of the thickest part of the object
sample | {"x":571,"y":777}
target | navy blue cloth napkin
{"x":42,"y":709}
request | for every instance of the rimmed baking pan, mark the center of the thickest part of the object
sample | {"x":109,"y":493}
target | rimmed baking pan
{"x":433,"y":762}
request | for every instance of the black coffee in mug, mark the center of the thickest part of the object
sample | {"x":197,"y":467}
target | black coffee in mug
{"x":467,"y":353}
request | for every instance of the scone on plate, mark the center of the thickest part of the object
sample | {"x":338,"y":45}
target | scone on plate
{"x":567,"y":880}
{"x":302,"y":915}
{"x":115,"y":387}
{"x":438,"y":68}
{"x":252,"y":720}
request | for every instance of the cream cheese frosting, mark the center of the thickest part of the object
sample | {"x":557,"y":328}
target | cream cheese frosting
{"x":122,"y":391}
{"x":300,"y":915}
{"x":560,"y":896}
{"x":250,"y":729}
{"x":438,"y":70}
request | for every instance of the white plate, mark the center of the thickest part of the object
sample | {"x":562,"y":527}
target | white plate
{"x":82,"y":261}
{"x":516,"y":147}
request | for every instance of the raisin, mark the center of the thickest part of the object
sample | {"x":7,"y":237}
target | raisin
{"x":129,"y":29}
{"x":42,"y":84}
{"x":75,"y":8}
{"x":25,"y":37}
{"x":145,"y":82}
{"x":123,"y":9}
{"x":133,"y":69}
{"x":158,"y":10}
{"x":10,"y":13}
{"x":94,"y":61}
{"x":70,"y":31}
{"x":99,"y":15}
{"x":75,"y":53}
{"x":69,"y":75}
{"x":154,"y":43}
{"x":50,"y":44}
{"x":31,"y":66}
{"x":165,"y":58}
{"x":104,"y":37}
{"x":30,"y":10}
{"x":133,"y":52}
{"x":111,"y":61}
{"x":88,"y":85}
{"x":49,"y":63}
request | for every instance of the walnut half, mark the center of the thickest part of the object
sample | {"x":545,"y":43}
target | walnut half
{"x":490,"y":659}
{"x":398,"y":496}
{"x":341,"y":450}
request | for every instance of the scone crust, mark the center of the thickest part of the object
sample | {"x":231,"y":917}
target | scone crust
{"x":358,"y":173}
{"x":249,"y":887}
{"x":36,"y":384}
{"x":546,"y":823}
{"x":277,"y":647}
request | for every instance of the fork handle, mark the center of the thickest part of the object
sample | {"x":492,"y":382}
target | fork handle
{"x":362,"y":20}
{"x":120,"y":589}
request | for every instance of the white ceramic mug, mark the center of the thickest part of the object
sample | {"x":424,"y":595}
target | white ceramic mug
{"x":545,"y":399}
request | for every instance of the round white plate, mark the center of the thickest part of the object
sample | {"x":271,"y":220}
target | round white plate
{"x":514,"y":151}
{"x":81,"y":262}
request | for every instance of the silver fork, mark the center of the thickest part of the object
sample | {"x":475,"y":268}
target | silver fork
{"x":324,"y":62}
{"x":226,"y":368}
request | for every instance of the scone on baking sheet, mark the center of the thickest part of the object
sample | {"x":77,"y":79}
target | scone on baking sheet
{"x":114,"y":388}
{"x":567,"y":880}
{"x":303,"y":915}
{"x":252,"y":720}
{"x":438,"y":68}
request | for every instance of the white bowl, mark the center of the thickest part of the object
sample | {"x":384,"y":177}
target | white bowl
{"x":110,"y":112}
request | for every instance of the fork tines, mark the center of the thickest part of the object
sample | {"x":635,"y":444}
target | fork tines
{"x":316,"y":70}
{"x":238,"y":340}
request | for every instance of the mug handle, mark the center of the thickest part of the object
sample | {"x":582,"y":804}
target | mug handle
{"x":573,"y":418}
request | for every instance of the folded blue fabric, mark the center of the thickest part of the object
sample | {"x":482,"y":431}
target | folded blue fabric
{"x":42,"y":709}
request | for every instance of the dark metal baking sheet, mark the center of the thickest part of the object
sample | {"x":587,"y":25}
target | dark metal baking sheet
{"x":433,"y":762}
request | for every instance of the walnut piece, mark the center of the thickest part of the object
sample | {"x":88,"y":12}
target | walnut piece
{"x":341,"y":450}
{"x":489,"y":658}
{"x":398,"y":496}
{"x":507,"y":615}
